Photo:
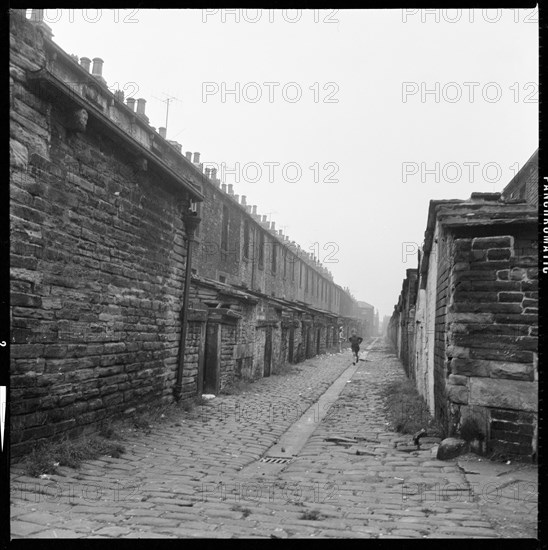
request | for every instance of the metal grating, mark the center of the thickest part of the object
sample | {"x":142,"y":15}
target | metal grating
{"x":275,"y":459}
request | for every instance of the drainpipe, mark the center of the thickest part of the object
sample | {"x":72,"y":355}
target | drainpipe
{"x":192,"y":221}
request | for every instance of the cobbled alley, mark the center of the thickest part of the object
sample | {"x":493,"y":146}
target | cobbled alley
{"x":195,"y":476}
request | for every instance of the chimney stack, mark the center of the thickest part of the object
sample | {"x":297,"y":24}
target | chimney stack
{"x":162,"y":131}
{"x":254,"y":209}
{"x":196,"y":158}
{"x":141,"y":106}
{"x":244,"y":200}
{"x":281,"y":233}
{"x":85,"y":63}
{"x":237,"y":198}
{"x":130,"y":102}
{"x":264,"y":219}
{"x":37,"y":16}
{"x":97,"y":69}
{"x":273,"y":226}
{"x":230,"y":189}
{"x":214,"y":174}
{"x":119,"y":95}
{"x":208,"y":172}
{"x":188,"y":155}
{"x":223,"y":187}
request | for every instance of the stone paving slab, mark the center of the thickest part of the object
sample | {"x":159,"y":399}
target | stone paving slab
{"x":185,"y":478}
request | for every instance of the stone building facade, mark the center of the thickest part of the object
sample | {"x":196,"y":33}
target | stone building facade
{"x":524,"y":185}
{"x":101,"y":214}
{"x":466,"y":323}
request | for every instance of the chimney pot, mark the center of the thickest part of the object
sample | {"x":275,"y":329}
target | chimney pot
{"x":264,"y":219}
{"x":141,"y":106}
{"x":208,"y":172}
{"x":223,"y":187}
{"x":130,"y":102}
{"x":162,"y":131}
{"x":188,"y":155}
{"x":37,"y":16}
{"x":244,"y":200}
{"x":196,"y":158}
{"x":254,"y":209}
{"x":273,"y":226}
{"x":119,"y":95}
{"x":230,"y":189}
{"x":214,"y":174}
{"x":97,"y":69}
{"x":85,"y":63}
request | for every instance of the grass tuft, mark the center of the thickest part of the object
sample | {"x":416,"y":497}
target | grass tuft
{"x":312,"y":515}
{"x":406,"y":410}
{"x":46,"y":457}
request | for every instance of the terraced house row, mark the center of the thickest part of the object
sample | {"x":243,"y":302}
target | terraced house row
{"x":466,"y":321}
{"x":136,"y":277}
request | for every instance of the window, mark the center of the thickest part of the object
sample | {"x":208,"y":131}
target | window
{"x":246,"y":239}
{"x":224,"y":229}
{"x":222,"y":279}
{"x":274,"y":255}
{"x":261,"y":250}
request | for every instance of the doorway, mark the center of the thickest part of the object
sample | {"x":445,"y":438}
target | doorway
{"x":268,"y":351}
{"x":291,"y":345}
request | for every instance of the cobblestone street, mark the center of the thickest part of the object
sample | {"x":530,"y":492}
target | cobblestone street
{"x":190,"y":478}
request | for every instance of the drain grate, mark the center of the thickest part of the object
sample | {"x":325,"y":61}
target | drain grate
{"x":275,"y":459}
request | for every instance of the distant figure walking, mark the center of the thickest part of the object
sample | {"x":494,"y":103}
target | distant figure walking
{"x":341,"y":338}
{"x":355,"y":342}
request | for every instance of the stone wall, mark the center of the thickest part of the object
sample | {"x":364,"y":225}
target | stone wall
{"x":98,"y":259}
{"x":97,"y":264}
{"x":476,"y":320}
{"x":493,"y":332}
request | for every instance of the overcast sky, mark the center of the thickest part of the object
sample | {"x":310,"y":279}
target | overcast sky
{"x":362,"y":134}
